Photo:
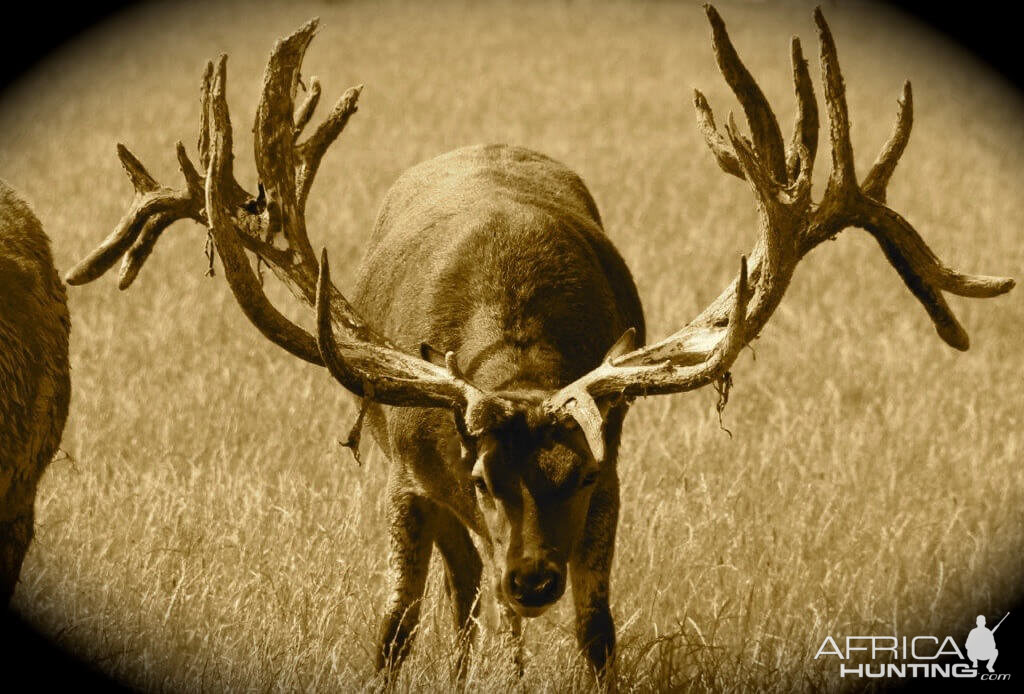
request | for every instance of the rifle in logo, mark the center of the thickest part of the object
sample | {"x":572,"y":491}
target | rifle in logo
{"x":981,"y":643}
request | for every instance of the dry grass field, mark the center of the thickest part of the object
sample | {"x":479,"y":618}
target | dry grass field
{"x":206,"y":531}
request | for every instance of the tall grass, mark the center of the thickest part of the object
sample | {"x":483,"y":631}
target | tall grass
{"x":206,"y":531}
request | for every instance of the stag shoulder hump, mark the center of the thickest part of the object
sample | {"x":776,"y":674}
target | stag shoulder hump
{"x":496,"y":243}
{"x":457,"y":179}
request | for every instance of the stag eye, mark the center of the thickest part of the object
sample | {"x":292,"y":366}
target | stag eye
{"x":480,"y":484}
{"x":589,"y":479}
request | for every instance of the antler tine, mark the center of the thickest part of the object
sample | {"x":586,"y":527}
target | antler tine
{"x":805,"y":128}
{"x":843,"y":177}
{"x":287,"y":168}
{"x":218,"y":123}
{"x":764,"y":127}
{"x":312,"y":151}
{"x":878,"y":178}
{"x":141,"y":249}
{"x":718,"y":145}
{"x":196,"y":183}
{"x":753,"y":171}
{"x":142,"y":180}
{"x":219,"y":168}
{"x":203,"y":144}
{"x":305,"y":112}
{"x":274,"y":142}
{"x":215,"y":80}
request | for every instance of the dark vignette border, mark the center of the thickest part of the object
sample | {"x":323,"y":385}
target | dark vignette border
{"x":979,"y":27}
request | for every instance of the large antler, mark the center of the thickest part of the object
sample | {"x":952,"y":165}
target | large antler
{"x":272,"y":226}
{"x":791,"y":224}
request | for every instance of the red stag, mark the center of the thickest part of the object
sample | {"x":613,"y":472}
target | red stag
{"x":495,"y":335}
{"x":35,"y":383}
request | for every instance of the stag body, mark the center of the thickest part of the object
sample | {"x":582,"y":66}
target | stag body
{"x":488,"y":308}
{"x":35,"y":384}
{"x":497,"y":254}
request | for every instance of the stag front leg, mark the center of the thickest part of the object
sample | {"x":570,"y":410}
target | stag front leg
{"x":463,"y":569}
{"x":410,"y":529}
{"x":589,"y":568}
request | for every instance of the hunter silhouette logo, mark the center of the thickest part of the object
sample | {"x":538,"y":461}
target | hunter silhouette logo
{"x":981,"y":643}
{"x":917,"y":656}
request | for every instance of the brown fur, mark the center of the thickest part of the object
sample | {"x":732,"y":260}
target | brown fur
{"x":497,"y":253}
{"x":35,"y":385}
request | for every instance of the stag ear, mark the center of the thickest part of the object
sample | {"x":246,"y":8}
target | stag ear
{"x":624,"y":345}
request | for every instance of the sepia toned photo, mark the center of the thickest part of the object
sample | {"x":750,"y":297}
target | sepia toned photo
{"x":535,"y":347}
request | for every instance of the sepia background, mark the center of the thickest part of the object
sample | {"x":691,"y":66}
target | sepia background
{"x":205,"y":530}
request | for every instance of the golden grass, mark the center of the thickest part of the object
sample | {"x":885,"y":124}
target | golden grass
{"x":208,"y":532}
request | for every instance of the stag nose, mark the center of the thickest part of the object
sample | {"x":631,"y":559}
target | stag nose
{"x":535,"y":583}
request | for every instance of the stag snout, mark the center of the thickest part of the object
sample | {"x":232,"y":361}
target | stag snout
{"x":533,"y":585}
